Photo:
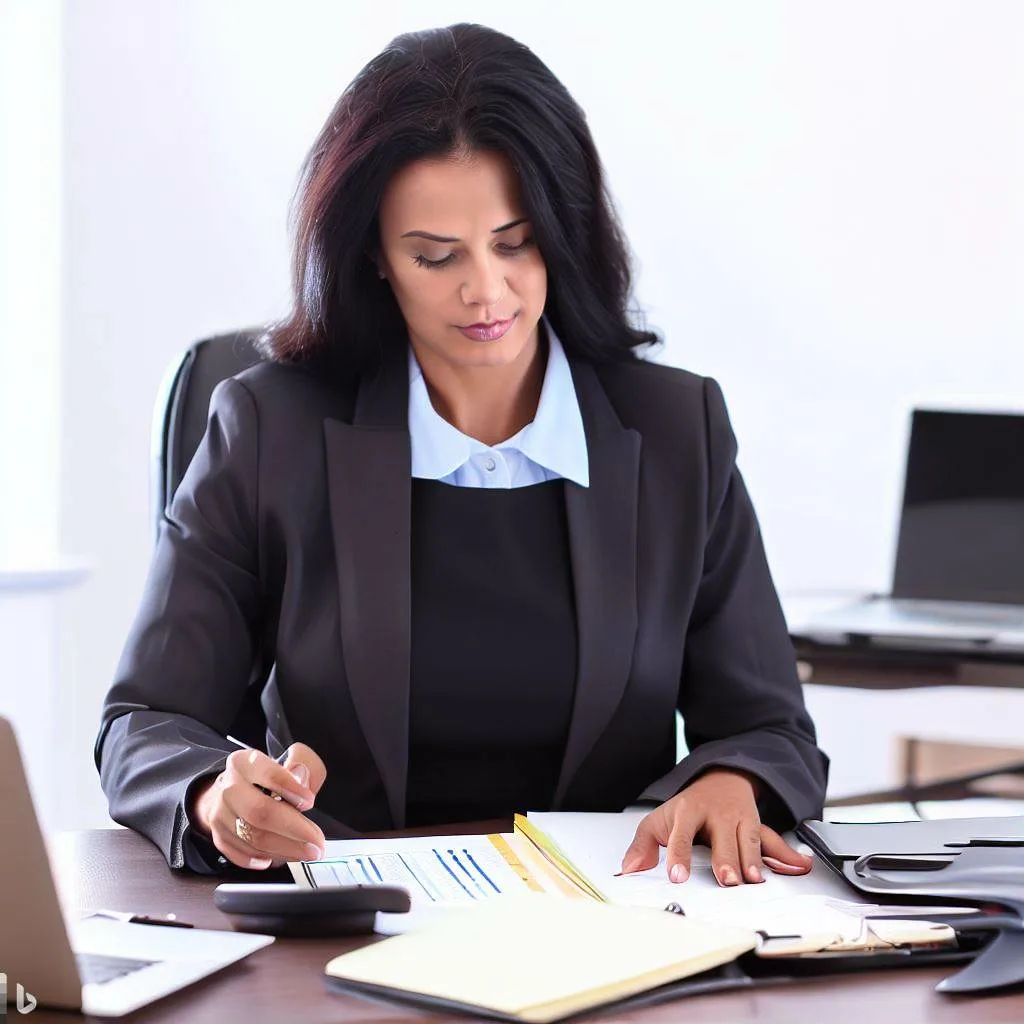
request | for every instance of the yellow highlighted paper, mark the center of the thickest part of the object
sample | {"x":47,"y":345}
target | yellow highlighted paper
{"x":551,"y":852}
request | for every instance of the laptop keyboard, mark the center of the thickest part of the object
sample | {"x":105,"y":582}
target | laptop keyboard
{"x":97,"y":969}
{"x":959,"y":614}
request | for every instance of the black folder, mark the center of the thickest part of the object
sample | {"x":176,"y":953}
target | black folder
{"x":973,"y":861}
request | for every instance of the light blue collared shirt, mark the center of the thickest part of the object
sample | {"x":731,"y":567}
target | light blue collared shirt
{"x":553,"y":446}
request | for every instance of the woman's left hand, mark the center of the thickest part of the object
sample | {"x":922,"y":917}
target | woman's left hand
{"x":719,"y":808}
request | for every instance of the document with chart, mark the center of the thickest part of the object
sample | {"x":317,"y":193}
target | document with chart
{"x":577,"y":856}
{"x":438,"y":870}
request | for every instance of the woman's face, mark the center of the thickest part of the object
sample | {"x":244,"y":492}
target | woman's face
{"x":458,"y":252}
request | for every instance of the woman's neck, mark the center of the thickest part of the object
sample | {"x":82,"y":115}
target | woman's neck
{"x":490,"y":403}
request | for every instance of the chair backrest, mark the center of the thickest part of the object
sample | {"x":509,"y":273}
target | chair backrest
{"x":182,"y":406}
{"x":179,"y":422}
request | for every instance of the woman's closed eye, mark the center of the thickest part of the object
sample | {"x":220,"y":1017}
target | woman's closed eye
{"x":510,"y":250}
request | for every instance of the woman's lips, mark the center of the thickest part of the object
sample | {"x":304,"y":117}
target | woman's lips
{"x":490,"y":333}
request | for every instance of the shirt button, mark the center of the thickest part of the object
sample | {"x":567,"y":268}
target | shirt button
{"x":489,"y":465}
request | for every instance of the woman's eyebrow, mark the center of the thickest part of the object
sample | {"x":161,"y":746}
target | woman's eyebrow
{"x":445,"y":238}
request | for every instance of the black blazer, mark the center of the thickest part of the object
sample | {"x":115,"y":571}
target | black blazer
{"x":288,"y":541}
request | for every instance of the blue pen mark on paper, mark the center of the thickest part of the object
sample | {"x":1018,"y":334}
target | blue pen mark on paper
{"x":434,"y":874}
{"x":455,"y":877}
{"x":365,"y":870}
{"x":469,"y":874}
{"x":483,"y":874}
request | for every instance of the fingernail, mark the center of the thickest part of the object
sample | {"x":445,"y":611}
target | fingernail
{"x":630,"y":864}
{"x":301,"y":774}
{"x":312,"y":851}
{"x":754,"y":873}
{"x":728,"y":876}
{"x":300,"y":803}
{"x":260,"y":863}
{"x":679,"y":873}
{"x":774,"y":862}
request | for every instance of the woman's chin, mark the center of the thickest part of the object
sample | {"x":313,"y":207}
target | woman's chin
{"x":463,"y":352}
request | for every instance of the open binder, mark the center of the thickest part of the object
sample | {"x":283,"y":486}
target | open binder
{"x":558,"y":960}
{"x":964,"y":860}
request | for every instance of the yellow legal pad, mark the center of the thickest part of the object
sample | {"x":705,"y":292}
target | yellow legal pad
{"x":538,"y":957}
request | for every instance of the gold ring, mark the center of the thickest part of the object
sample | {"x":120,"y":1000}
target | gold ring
{"x":243,"y":830}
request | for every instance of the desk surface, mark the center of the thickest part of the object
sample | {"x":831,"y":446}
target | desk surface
{"x":877,"y":668}
{"x":119,"y":870}
{"x":867,"y":666}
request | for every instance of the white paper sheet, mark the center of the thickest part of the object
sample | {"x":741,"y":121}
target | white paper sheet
{"x":871,"y":813}
{"x":970,"y":807}
{"x":811,"y":904}
{"x":456,"y":873}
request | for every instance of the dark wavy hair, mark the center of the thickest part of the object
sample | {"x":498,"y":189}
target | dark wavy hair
{"x":446,"y":91}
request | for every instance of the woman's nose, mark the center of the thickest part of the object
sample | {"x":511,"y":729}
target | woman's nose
{"x":484,"y":285}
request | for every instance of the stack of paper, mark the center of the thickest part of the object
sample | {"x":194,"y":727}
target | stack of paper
{"x":579,"y":855}
{"x":816,"y":911}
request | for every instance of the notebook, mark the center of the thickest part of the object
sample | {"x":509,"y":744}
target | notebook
{"x":958,"y":579}
{"x":106,"y":967}
{"x":538,"y":958}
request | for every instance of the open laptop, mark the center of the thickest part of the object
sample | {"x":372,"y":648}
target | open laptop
{"x":958,"y":581}
{"x":106,"y":967}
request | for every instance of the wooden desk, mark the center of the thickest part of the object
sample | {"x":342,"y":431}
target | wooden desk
{"x":119,"y":870}
{"x":875,"y":668}
{"x":871,"y":667}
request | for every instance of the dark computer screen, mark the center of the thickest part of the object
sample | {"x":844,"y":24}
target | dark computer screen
{"x":961,"y":534}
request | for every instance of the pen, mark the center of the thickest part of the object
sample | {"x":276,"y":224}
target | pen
{"x":287,"y":797}
{"x":170,"y":921}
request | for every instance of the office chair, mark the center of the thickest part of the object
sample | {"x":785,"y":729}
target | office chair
{"x":179,"y":422}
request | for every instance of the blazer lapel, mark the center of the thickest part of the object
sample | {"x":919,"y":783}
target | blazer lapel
{"x":369,"y":468}
{"x":602,"y":521}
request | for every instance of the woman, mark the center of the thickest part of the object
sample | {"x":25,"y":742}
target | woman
{"x":486,"y":549}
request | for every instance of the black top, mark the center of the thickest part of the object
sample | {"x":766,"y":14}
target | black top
{"x":493,"y":659}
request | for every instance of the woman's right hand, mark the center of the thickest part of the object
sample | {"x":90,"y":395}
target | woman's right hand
{"x":277,"y":830}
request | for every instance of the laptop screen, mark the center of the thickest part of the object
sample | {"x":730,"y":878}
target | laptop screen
{"x":961,"y":534}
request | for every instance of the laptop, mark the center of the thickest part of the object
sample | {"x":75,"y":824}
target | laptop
{"x":103,"y":967}
{"x":958,"y":581}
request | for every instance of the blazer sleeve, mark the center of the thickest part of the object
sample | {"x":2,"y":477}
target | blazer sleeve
{"x":190,"y":652}
{"x":740,"y":697}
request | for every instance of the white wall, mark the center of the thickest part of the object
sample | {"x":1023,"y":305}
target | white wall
{"x":30,"y":279}
{"x":824,"y":199}
{"x":31,"y":136}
